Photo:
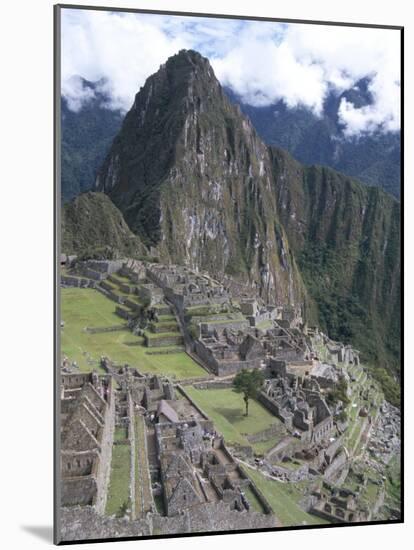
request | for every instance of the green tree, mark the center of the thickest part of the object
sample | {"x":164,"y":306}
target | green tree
{"x":248,"y":383}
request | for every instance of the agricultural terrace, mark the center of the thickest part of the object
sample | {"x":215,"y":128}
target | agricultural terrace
{"x":365,"y":393}
{"x":88,"y":308}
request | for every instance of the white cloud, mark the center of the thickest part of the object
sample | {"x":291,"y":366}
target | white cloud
{"x":348,"y":54}
{"x":124,"y":49}
{"x":261,"y":61}
{"x":76,"y":93}
{"x":262,"y":72}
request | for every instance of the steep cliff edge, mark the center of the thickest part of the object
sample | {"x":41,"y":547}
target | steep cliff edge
{"x":346,"y":238}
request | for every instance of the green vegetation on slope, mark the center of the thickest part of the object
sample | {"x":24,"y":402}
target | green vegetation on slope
{"x":346,"y":238}
{"x":86,"y":137}
{"x":372,"y":158}
{"x":92,"y":226}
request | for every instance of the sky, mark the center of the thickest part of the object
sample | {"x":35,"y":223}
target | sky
{"x":262,"y":62}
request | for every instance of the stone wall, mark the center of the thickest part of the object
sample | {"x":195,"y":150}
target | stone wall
{"x":125,"y":313}
{"x":332,"y":449}
{"x":193,"y":403}
{"x":232,"y":367}
{"x":104,"y":471}
{"x":78,"y":490}
{"x":264,"y":435}
{"x":272,"y":406}
{"x":83,"y":523}
{"x":114,"y":328}
{"x":206,"y":356}
{"x":106,"y":286}
{"x":164,"y":341}
{"x":74,"y":380}
{"x":322,"y":430}
{"x":132,"y":305}
{"x":336,"y":466}
{"x":77,"y":282}
{"x":103,"y":266}
{"x":211,"y":517}
{"x":164,"y":327}
{"x":231,"y":324}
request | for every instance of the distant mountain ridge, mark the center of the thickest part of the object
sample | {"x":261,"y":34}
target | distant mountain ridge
{"x":372,"y":158}
{"x":86,"y":138}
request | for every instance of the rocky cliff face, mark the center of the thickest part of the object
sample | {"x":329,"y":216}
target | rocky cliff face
{"x":346,"y":238}
{"x":192,"y":178}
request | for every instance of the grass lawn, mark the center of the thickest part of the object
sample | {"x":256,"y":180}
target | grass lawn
{"x":264,"y":325}
{"x":161,"y":335}
{"x":226,"y":409}
{"x":163,"y":318}
{"x":284,"y":499}
{"x":88,"y":308}
{"x":118,"y":494}
{"x":122,"y":279}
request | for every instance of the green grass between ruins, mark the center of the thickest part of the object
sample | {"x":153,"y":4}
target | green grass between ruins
{"x":356,"y":423}
{"x":161,"y":335}
{"x":83,"y":308}
{"x":143,"y":493}
{"x":118,"y":493}
{"x":284,"y":498}
{"x":226,"y":409}
{"x":253,"y":500}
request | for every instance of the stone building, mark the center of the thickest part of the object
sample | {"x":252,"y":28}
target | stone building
{"x":337,"y":505}
{"x":227,"y":352}
{"x":185,"y":288}
{"x":300,"y":405}
{"x":87,"y":425}
{"x":196,"y":470}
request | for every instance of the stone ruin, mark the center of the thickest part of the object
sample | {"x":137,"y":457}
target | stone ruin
{"x":87,"y":424}
{"x":337,"y":505}
{"x":300,"y":406}
{"x":184,"y":288}
{"x":197,"y":470}
{"x":226,"y":352}
{"x":189,"y":466}
{"x":180,"y":458}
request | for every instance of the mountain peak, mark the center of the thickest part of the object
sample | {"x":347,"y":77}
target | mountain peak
{"x":191,"y":57}
{"x":179,"y":74}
